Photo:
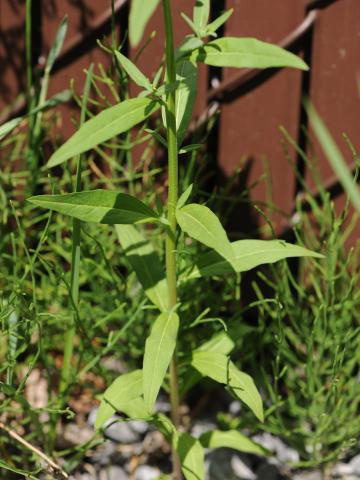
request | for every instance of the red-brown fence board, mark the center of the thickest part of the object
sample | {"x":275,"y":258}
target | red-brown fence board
{"x":81,"y":17}
{"x":249,"y":124}
{"x":12,"y":51}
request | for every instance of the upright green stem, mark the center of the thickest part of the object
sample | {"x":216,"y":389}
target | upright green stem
{"x":75,"y":262}
{"x":172,"y":201}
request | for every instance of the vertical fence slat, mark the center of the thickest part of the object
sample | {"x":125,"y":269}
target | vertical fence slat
{"x":335,"y":74}
{"x":81,"y":15}
{"x":249,"y":125}
{"x":12,"y":51}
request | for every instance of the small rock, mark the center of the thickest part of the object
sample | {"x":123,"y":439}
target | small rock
{"x":145,"y":472}
{"x":202,"y":426}
{"x":104,"y":453}
{"x":121,"y":432}
{"x":235,"y":407}
{"x":92,"y":416}
{"x":162,"y":405}
{"x":116,"y":473}
{"x":139,"y":426}
{"x":241,"y":469}
{"x":342,"y":469}
{"x":75,"y":435}
{"x":355,"y":465}
{"x":308,"y":476}
{"x":283,"y":452}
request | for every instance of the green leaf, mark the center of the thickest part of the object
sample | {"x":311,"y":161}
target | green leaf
{"x":57,"y":45}
{"x":100,"y":206}
{"x":136,"y":408}
{"x":7,"y":127}
{"x":219,"y":367}
{"x":140,"y":13}
{"x":231,"y":439}
{"x":191,"y":454}
{"x":200,"y":223}
{"x":134,"y":73}
{"x":219,"y":343}
{"x":104,"y":126}
{"x":218,"y":22}
{"x":121,"y":392}
{"x":186,"y":74}
{"x":334,"y":156}
{"x":146,"y":264}
{"x":159,"y":348}
{"x":190,"y":148}
{"x":201,"y":14}
{"x":190,"y":43}
{"x":246,"y":53}
{"x":184,"y":197}
{"x":57,"y":99}
{"x":28,"y":475}
{"x":248,"y":254}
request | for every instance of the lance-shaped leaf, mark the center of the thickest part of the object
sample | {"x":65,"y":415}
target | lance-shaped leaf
{"x":191,"y":455}
{"x":186,"y":74}
{"x":231,"y":439}
{"x":220,"y":368}
{"x":218,"y":22}
{"x":248,"y":254}
{"x":104,"y":126}
{"x":159,"y":348}
{"x":121,"y":392}
{"x":246,"y":53}
{"x":134,"y":73}
{"x":57,"y":45}
{"x":201,"y":14}
{"x":219,"y":343}
{"x":200,"y":223}
{"x":100,"y":206}
{"x":140,"y":14}
{"x":146,"y":264}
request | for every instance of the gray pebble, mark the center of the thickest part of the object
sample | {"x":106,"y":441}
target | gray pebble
{"x":242,"y":470}
{"x":145,"y":472}
{"x":202,"y":426}
{"x":283,"y":452}
{"x":121,"y":432}
{"x":116,"y":473}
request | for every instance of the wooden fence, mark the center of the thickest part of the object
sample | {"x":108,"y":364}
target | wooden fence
{"x":253,"y":104}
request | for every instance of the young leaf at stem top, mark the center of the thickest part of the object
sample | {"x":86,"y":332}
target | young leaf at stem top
{"x":218,"y":22}
{"x":134,"y":73}
{"x":201,"y":15}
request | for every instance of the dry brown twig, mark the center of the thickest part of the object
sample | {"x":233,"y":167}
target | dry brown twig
{"x":55,"y":468}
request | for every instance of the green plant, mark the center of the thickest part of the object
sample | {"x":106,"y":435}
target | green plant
{"x":309,"y":326}
{"x":134,"y":394}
